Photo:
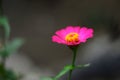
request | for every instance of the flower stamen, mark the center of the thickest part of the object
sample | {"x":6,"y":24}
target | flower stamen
{"x":72,"y":37}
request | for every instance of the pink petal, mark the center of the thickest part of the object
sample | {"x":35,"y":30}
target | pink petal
{"x":83,"y":30}
{"x":77,"y":29}
{"x":61,"y":33}
{"x":89,"y":33}
{"x":85,"y":34}
{"x":57,"y":39}
{"x":69,"y":29}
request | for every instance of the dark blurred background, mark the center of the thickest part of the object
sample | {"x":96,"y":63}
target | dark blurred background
{"x":37,"y":20}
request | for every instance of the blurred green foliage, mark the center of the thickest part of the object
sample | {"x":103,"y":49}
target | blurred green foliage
{"x":7,"y":48}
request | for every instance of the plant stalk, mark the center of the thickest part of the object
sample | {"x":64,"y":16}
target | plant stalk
{"x":74,"y":49}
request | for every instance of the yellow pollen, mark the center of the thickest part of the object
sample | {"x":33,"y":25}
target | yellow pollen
{"x":72,"y":37}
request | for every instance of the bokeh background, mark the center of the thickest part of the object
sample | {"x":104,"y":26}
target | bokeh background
{"x":37,"y":20}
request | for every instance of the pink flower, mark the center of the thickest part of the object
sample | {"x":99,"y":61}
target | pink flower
{"x":72,"y":35}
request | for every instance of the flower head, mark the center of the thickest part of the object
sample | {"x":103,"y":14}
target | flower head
{"x":72,"y":35}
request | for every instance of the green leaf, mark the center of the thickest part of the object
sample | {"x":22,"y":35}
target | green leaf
{"x":1,"y":69}
{"x":14,"y":45}
{"x":7,"y":74}
{"x":10,"y":75}
{"x":64,"y":71}
{"x":4,"y":23}
{"x":11,"y":47}
{"x":82,"y":66}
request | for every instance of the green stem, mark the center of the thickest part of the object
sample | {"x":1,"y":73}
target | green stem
{"x":73,"y":62}
{"x":5,"y":44}
{"x":3,"y":58}
{"x":4,"y":37}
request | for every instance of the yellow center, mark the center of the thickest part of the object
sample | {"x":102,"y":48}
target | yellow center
{"x":72,"y":37}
